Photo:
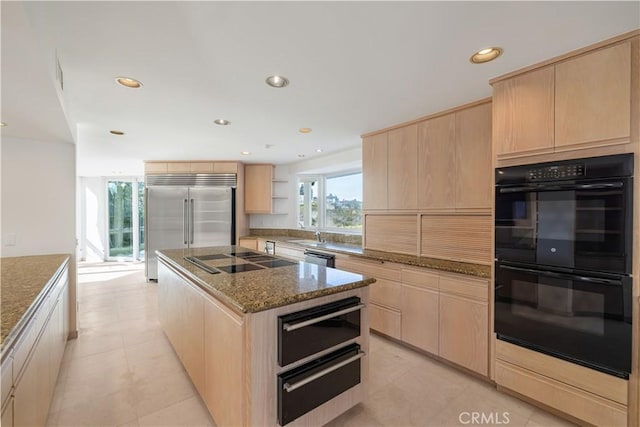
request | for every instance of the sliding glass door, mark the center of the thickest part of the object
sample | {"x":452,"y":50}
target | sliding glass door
{"x":125,"y":219}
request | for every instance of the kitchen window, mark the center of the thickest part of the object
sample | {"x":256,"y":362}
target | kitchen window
{"x":331,"y":202}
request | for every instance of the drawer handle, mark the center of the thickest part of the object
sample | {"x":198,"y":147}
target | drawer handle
{"x":289,"y":327}
{"x":291,"y":387}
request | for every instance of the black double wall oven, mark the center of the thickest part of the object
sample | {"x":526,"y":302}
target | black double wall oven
{"x":563,"y":240}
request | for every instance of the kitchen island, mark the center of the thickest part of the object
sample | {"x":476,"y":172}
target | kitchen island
{"x":266,"y":341}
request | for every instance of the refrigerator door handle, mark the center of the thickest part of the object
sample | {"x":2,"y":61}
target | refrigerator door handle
{"x":191,"y":224}
{"x":184,"y":222}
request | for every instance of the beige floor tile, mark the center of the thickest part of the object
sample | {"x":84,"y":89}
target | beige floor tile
{"x":542,"y":418}
{"x":112,"y":409}
{"x":358,"y":416}
{"x":189,"y":412}
{"x":156,"y":393}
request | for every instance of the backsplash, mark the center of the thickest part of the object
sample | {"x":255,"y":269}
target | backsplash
{"x":350,"y":239}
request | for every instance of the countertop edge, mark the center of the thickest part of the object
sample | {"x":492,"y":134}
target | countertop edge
{"x":8,"y":344}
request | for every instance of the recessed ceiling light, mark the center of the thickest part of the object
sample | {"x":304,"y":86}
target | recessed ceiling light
{"x":277,"y":81}
{"x":304,"y":130}
{"x":245,"y":153}
{"x":2,"y":124}
{"x":318,"y":150}
{"x":300,"y":155}
{"x":116,"y":132}
{"x":222,"y":122}
{"x":128,"y":82}
{"x":486,"y":55}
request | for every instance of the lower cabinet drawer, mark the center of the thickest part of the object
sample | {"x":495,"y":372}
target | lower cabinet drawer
{"x":385,"y":292}
{"x":306,"y":387}
{"x":384,"y":320}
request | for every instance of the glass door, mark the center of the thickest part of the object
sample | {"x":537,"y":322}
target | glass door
{"x":125,"y":219}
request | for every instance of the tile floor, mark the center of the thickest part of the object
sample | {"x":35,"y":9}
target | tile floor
{"x":122,"y":371}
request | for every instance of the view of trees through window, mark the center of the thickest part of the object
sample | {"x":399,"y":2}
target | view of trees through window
{"x":126,"y":218}
{"x":339,"y":208}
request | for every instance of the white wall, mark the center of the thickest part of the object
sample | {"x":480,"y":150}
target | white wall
{"x":38,"y":197}
{"x":350,"y":159}
{"x":92,"y":218}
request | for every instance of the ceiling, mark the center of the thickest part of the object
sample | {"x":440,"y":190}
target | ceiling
{"x":354,"y":67}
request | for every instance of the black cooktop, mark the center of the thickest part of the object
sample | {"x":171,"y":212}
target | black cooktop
{"x":239,"y":268}
{"x":254,"y":261}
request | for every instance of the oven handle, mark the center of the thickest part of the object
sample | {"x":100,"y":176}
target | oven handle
{"x":289,"y":327}
{"x":555,"y":187}
{"x":596,"y":280}
{"x":291,"y":387}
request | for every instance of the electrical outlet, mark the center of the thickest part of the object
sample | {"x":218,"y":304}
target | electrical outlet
{"x":9,"y":239}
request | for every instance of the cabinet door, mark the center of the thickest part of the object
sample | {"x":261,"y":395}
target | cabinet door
{"x":473,"y":158}
{"x":593,"y":97}
{"x":249,"y":243}
{"x":7,"y":414}
{"x":258,"y":188}
{"x":403,"y":168}
{"x":393,"y":233}
{"x":464,"y":332}
{"x":224,"y":378}
{"x":523,"y":114}
{"x":385,"y":320}
{"x":192,"y":329}
{"x":374,"y":171}
{"x":420,"y":317}
{"x":436,"y":163}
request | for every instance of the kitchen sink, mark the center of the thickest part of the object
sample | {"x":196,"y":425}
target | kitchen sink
{"x":307,"y":242}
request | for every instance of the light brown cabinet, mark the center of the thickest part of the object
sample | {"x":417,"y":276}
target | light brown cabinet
{"x":474,"y":171}
{"x":420,"y":317}
{"x":583,"y":101}
{"x":374,"y":171}
{"x":392,"y":233}
{"x":192,"y":328}
{"x":436,"y":160}
{"x":7,"y":413}
{"x":402,"y":168}
{"x":224,"y":370}
{"x":258,"y":189}
{"x":249,"y":243}
{"x":523,"y":113}
{"x":385,"y":320}
{"x":155,"y":167}
{"x":464,"y":331}
{"x":593,"y":97}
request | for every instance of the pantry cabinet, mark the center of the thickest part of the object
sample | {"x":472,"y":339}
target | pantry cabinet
{"x":374,"y":171}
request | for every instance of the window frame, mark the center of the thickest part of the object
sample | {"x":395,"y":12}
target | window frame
{"x":321,"y":179}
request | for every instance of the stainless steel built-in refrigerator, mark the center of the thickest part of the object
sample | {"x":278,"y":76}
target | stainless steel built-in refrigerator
{"x":183,"y":216}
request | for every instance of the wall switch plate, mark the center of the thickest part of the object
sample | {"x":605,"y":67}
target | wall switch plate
{"x":9,"y":239}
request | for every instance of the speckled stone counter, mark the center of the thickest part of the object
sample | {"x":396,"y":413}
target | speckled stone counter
{"x":25,"y":280}
{"x":469,"y":269}
{"x":262,"y":289}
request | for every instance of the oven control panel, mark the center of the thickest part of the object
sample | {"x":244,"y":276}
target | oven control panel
{"x":556,"y":172}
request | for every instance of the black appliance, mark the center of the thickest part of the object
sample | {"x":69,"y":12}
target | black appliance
{"x":563,"y":239}
{"x":311,"y":332}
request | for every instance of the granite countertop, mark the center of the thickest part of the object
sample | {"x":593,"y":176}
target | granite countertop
{"x":469,"y":269}
{"x":266,"y":288}
{"x":22,"y":282}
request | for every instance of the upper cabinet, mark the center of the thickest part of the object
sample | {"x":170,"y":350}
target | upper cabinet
{"x":523,"y":113}
{"x":436,"y":163}
{"x":155,"y":167}
{"x":441,"y":163}
{"x":593,"y":97}
{"x":402,"y":167}
{"x":258,"y":186}
{"x":374,"y":171}
{"x":583,"y":101}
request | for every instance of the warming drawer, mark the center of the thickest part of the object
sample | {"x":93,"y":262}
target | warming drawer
{"x":308,"y":386}
{"x":310,"y":331}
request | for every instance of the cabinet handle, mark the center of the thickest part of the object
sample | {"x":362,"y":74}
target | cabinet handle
{"x":291,"y":387}
{"x":289,"y":327}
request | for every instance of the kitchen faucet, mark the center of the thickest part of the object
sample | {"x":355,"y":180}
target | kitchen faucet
{"x":318,"y":236}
